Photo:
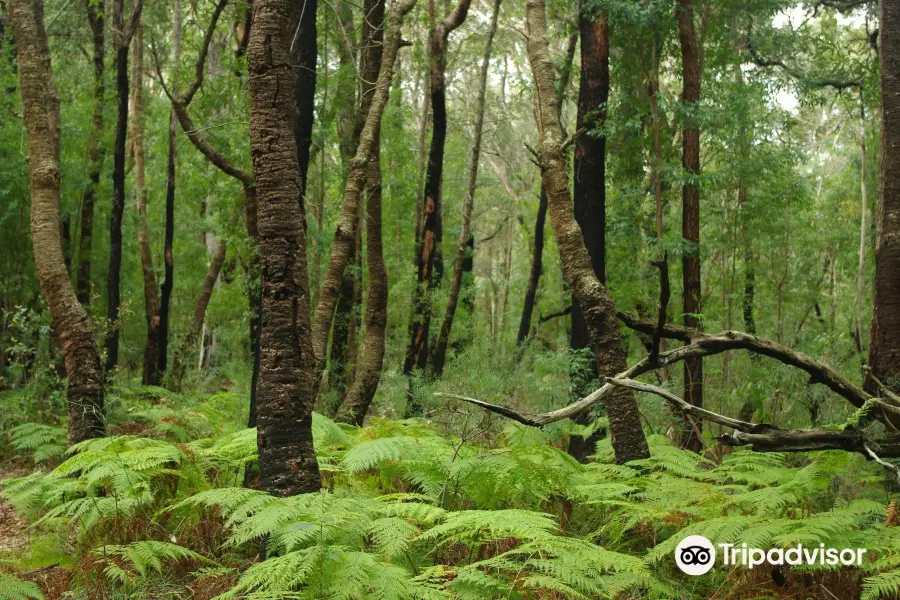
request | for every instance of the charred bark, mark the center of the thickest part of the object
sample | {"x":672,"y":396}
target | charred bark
{"x":463,"y":251}
{"x":590,"y":194}
{"x":84,"y":384}
{"x":534,"y":274}
{"x":429,"y":259}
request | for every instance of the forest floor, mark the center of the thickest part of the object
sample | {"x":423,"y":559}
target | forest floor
{"x":13,"y":529}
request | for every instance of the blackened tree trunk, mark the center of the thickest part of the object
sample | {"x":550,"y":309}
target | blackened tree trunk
{"x":534,"y":275}
{"x":84,"y":384}
{"x":590,"y":194}
{"x":124,"y":32}
{"x":303,"y":18}
{"x":628,"y":438}
{"x":287,"y":379}
{"x":96,"y":152}
{"x":439,"y":355}
{"x":429,"y":262}
{"x":168,"y":283}
{"x":884,"y":343}
{"x":345,"y":235}
{"x":690,"y":206}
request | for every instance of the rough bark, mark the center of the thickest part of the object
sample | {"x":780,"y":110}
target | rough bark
{"x":303,"y":44}
{"x":884,"y":343}
{"x":96,"y":152}
{"x":124,"y":31}
{"x":429,"y":260}
{"x":287,"y":380}
{"x":590,"y":193}
{"x":439,"y":354}
{"x":690,"y":206}
{"x":863,"y":236}
{"x":628,"y":438}
{"x":84,"y":385}
{"x":345,"y":235}
{"x":168,"y":283}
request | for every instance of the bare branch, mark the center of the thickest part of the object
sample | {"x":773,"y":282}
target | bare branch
{"x":201,"y":57}
{"x":664,"y":294}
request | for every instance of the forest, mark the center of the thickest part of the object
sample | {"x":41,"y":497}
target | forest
{"x":449,"y":299}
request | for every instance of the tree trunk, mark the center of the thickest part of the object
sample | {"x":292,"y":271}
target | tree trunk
{"x":151,"y":289}
{"x":96,"y":152}
{"x":168,"y":283}
{"x":123,"y":35}
{"x":628,"y":438}
{"x":690,"y":206}
{"x":534,"y":275}
{"x":537,"y":259}
{"x":303,"y":18}
{"x":287,"y":379}
{"x":884,"y":342}
{"x":590,"y":196}
{"x":429,"y":259}
{"x":84,"y":385}
{"x":193,"y":335}
{"x":863,"y":234}
{"x":439,"y":354}
{"x":345,"y":235}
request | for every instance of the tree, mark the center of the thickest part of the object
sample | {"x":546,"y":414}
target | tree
{"x":96,"y":151}
{"x":84,"y":384}
{"x":287,"y":381}
{"x":429,"y":262}
{"x":439,"y":354}
{"x":884,"y":345}
{"x":590,"y":189}
{"x":124,"y":32}
{"x":690,"y":207}
{"x":628,"y":438}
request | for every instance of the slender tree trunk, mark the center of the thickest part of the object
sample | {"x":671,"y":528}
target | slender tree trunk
{"x":345,"y":235}
{"x":534,"y":274}
{"x":429,"y":259}
{"x":863,"y":234}
{"x":84,"y":384}
{"x":287,"y":377}
{"x":439,"y":354}
{"x":303,"y":18}
{"x":193,"y":335}
{"x":690,"y":206}
{"x":96,"y":153}
{"x":884,"y":342}
{"x":168,"y":283}
{"x":590,"y":195}
{"x":537,"y":260}
{"x":151,"y":289}
{"x":123,"y":35}
{"x":628,"y":438}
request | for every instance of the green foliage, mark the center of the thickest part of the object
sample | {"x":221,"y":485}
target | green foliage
{"x":42,"y":441}
{"x":16,"y":589}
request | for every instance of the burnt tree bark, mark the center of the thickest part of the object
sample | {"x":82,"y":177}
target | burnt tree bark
{"x":884,"y":344}
{"x":590,"y":193}
{"x":628,"y":438}
{"x":84,"y":384}
{"x":690,"y":206}
{"x":429,"y":261}
{"x":439,"y":354}
{"x":123,"y":33}
{"x":287,"y":380}
{"x":96,"y":153}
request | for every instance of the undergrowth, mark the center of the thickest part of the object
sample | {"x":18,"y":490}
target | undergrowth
{"x":410,"y":512}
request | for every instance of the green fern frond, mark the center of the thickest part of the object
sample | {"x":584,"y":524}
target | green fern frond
{"x":14,"y":588}
{"x":883,"y":586}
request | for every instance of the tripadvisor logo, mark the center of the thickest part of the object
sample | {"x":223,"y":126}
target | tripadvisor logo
{"x":696,"y":555}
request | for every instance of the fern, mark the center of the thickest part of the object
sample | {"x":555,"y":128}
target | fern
{"x":143,"y":558}
{"x":13,"y":588}
{"x":42,"y":441}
